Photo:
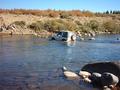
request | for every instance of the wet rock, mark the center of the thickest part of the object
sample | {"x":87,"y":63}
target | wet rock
{"x":109,"y":79}
{"x":69,"y":74}
{"x":106,"y":88}
{"x":102,"y":67}
{"x":84,"y":74}
{"x":82,"y":39}
{"x":91,"y":38}
{"x":92,"y":33}
{"x":95,"y":79}
{"x":78,"y":33}
{"x":118,"y":38}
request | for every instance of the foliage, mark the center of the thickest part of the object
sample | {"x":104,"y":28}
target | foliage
{"x":57,"y":25}
{"x":64,"y":15}
{"x":49,"y":12}
{"x":88,"y":13}
{"x":53,"y":25}
{"x":37,"y":26}
{"x":112,"y":12}
{"x":111,"y":26}
{"x":58,"y":13}
{"x":78,"y":23}
{"x":69,"y":20}
{"x":20,"y":23}
{"x":93,"y":24}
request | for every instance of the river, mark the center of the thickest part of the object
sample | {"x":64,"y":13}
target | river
{"x":33,"y":63}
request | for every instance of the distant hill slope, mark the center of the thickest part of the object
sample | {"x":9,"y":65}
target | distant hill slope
{"x":47,"y":24}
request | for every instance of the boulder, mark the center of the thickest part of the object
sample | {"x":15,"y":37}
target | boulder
{"x":84,"y":74}
{"x":109,"y":79}
{"x":70,"y":74}
{"x":92,"y":38}
{"x":95,"y":79}
{"x":102,"y":67}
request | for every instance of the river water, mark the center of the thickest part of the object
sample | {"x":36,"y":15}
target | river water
{"x":33,"y":63}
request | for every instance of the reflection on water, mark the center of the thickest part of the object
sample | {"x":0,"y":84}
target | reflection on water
{"x":32,"y":63}
{"x":71,"y":44}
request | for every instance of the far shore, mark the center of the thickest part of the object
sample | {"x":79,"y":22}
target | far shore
{"x":14,"y":24}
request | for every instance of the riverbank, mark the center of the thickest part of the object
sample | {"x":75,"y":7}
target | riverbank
{"x":46,"y":26}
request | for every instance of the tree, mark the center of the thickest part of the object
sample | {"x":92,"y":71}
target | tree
{"x":107,"y":12}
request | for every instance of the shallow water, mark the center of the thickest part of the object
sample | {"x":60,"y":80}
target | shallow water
{"x":33,"y":63}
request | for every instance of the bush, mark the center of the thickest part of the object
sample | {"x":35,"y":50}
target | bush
{"x":109,"y":26}
{"x":20,"y":23}
{"x":53,"y":14}
{"x":71,"y":26}
{"x":37,"y":26}
{"x":54,"y":25}
{"x":64,"y":15}
{"x":85,"y":29}
{"x":93,"y":24}
{"x":88,"y":27}
{"x":112,"y":26}
{"x":78,"y":23}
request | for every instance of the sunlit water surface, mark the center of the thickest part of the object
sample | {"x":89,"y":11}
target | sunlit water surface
{"x":33,"y":63}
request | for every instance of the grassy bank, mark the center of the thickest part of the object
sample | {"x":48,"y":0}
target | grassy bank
{"x":36,"y":22}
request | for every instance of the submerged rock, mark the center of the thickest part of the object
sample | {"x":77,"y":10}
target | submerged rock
{"x":118,"y":38}
{"x":91,"y":38}
{"x":82,"y":38}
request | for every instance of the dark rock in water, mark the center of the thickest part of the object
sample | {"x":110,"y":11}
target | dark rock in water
{"x":118,"y":38}
{"x":109,"y":79}
{"x":96,"y":79}
{"x":102,"y":67}
{"x":106,"y":88}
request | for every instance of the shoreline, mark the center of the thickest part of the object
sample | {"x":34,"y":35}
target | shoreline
{"x":37,"y":25}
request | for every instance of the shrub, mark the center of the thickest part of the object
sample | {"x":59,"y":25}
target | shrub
{"x":85,"y":29}
{"x":64,"y":15}
{"x":20,"y":23}
{"x":109,"y":26}
{"x":78,"y":23}
{"x":54,"y":25}
{"x":37,"y":26}
{"x":71,"y":26}
{"x":112,"y":26}
{"x":93,"y":24}
{"x":117,"y":28}
{"x":53,"y":14}
{"x":48,"y":26}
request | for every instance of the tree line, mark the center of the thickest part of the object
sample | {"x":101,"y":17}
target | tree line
{"x":57,"y":13}
{"x":112,"y":12}
{"x":49,"y":12}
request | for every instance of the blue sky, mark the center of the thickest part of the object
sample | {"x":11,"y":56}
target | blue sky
{"x":92,"y":5}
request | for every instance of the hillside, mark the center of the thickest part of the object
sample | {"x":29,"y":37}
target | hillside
{"x":85,"y":24}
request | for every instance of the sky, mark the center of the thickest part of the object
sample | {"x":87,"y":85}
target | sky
{"x":91,"y":5}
